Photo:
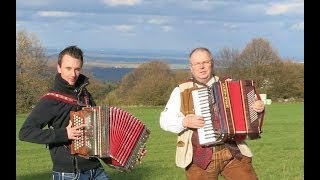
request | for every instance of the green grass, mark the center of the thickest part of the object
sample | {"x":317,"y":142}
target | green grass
{"x":279,"y":154}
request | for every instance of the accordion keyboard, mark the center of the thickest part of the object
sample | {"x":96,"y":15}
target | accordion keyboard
{"x":77,"y":121}
{"x":201,"y":100}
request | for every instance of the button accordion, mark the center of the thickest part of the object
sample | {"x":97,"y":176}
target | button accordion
{"x":110,"y":132}
{"x":225,"y":107}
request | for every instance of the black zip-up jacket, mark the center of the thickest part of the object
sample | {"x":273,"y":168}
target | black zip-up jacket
{"x":55,"y":114}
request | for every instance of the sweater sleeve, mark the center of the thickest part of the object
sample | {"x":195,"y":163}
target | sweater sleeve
{"x":33,"y":129}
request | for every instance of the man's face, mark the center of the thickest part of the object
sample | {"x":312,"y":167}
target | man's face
{"x":201,"y":66}
{"x":70,"y":69}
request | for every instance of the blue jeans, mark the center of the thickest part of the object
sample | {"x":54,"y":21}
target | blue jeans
{"x":92,"y":174}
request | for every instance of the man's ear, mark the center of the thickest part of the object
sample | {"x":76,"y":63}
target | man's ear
{"x":190,"y":68}
{"x":58,"y":68}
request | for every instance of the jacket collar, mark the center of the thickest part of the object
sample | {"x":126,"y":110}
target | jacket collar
{"x":62,"y":85}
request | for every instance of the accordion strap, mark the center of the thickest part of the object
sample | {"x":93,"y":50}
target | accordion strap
{"x":62,"y":97}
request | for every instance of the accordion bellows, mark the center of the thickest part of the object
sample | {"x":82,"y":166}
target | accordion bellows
{"x":110,"y":132}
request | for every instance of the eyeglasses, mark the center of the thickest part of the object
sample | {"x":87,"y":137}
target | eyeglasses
{"x":199,"y":64}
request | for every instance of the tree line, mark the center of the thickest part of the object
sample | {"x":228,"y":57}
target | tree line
{"x":151,"y":83}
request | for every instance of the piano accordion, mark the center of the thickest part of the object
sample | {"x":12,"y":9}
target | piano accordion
{"x":110,"y":132}
{"x":230,"y":102}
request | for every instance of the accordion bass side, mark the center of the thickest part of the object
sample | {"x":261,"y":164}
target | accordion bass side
{"x":110,"y":132}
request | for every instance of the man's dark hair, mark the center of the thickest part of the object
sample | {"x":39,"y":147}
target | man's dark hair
{"x":73,"y":51}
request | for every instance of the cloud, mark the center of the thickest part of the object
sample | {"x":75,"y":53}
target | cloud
{"x":159,"y":20}
{"x":121,"y":2}
{"x":124,"y":28}
{"x":139,"y":23}
{"x":298,"y":26}
{"x":205,"y":5}
{"x":230,"y":26}
{"x":198,"y":22}
{"x":166,"y":28}
{"x":55,"y":14}
{"x":33,"y":3}
{"x":285,"y":7}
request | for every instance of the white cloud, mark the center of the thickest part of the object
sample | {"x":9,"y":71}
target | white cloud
{"x":124,"y":28}
{"x":298,"y":26}
{"x":285,"y":7}
{"x":230,"y":26}
{"x":159,"y":20}
{"x":199,"y":22}
{"x":166,"y":28}
{"x":33,"y":3}
{"x":229,"y":22}
{"x":205,"y":5}
{"x":121,"y":2}
{"x":55,"y":14}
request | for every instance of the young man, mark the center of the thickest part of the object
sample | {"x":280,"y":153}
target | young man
{"x":53,"y":111}
{"x":231,"y":159}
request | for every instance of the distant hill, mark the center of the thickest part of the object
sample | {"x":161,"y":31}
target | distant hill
{"x":109,"y":74}
{"x":113,"y":65}
{"x":127,"y":58}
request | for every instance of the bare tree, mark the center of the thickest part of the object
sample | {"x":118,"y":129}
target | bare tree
{"x":225,"y":64}
{"x":258,"y":61}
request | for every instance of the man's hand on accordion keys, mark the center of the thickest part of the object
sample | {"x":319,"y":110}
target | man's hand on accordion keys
{"x":193,"y":121}
{"x":76,"y":132}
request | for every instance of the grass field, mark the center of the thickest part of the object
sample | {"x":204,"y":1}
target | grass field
{"x":278,"y":155}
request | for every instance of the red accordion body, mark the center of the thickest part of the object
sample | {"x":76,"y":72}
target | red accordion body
{"x":110,"y":132}
{"x":234,"y":99}
{"x":230,"y":102}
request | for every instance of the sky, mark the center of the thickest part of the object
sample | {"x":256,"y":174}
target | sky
{"x":165,"y":25}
